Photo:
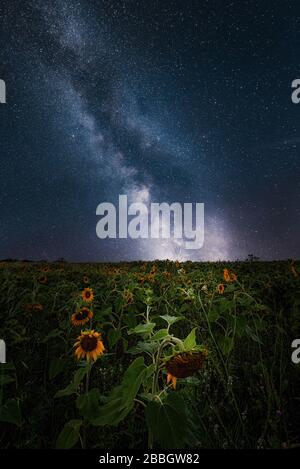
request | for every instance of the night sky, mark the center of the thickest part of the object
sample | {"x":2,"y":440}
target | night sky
{"x":161,"y":100}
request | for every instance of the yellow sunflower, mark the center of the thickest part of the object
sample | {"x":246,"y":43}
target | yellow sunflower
{"x":229,"y":276}
{"x":221,"y":289}
{"x":226,"y":275}
{"x":85,"y":279}
{"x":89,"y":346}
{"x":87,"y":295}
{"x":184,"y":364}
{"x":82,"y":316}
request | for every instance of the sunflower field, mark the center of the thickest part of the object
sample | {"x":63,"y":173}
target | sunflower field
{"x":149,"y":355}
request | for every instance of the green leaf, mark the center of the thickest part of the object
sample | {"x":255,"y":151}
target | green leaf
{"x":168,"y":421}
{"x":253,"y":336}
{"x":88,"y":403}
{"x":238,"y":323}
{"x":244,"y":300}
{"x":171,"y":319}
{"x":149,"y":347}
{"x":224,"y":305}
{"x":68,"y":391}
{"x":10,"y":412}
{"x":104,"y":313}
{"x":121,"y":399}
{"x":213,"y":315}
{"x":79,"y":375}
{"x":69,"y":435}
{"x":225,"y":344}
{"x":161,"y":334}
{"x":73,"y":386}
{"x":56,"y":366}
{"x":190,"y":341}
{"x":113,"y":336}
{"x":146,"y":328}
{"x":130,"y":320}
{"x":119,"y":302}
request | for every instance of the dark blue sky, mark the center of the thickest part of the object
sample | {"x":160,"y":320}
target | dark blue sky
{"x":163,"y":101}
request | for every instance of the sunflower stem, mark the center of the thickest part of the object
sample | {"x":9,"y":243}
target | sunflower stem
{"x":87,"y":384}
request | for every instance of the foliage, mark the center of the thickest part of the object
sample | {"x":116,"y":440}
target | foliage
{"x":246,"y":394}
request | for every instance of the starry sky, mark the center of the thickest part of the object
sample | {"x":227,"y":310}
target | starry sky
{"x":161,"y":100}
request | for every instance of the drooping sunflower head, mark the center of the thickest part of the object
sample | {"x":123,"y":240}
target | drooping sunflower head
{"x":89,"y":345}
{"x":85,"y":279}
{"x":43,"y":280}
{"x":81,"y":317}
{"x":220,"y":288}
{"x":185,"y":364}
{"x":87,"y":295}
{"x":233,"y":277}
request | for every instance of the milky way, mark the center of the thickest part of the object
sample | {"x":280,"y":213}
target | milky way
{"x":162,"y":101}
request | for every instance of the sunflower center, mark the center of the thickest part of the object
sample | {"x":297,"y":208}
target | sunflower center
{"x":89,"y":343}
{"x":87,"y":294}
{"x":81,"y":315}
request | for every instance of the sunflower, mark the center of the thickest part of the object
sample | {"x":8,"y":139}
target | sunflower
{"x":128,"y":297}
{"x":87,"y":295}
{"x":293,"y":269}
{"x":45,"y":269}
{"x":89,"y":346}
{"x":221,"y":289}
{"x":85,"y":279}
{"x":226,"y":275}
{"x":229,"y":276}
{"x":82,"y":316}
{"x":184,"y":364}
{"x":233,"y":277}
{"x":43,"y":279}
